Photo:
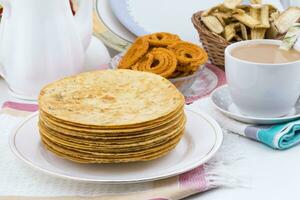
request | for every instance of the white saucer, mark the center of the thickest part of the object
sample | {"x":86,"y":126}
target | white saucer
{"x":202,"y":139}
{"x":222,"y":101}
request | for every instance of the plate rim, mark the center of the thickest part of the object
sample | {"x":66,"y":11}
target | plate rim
{"x":120,"y":10}
{"x":214,"y":149}
{"x":111,"y":39}
{"x":106,"y":25}
{"x":249,"y":119}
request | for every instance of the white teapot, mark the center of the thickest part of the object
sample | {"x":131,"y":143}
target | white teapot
{"x":41,"y":41}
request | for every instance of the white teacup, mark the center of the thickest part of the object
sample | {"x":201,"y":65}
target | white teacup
{"x":262,"y":90}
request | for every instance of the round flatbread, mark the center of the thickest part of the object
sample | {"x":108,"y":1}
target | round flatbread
{"x":111,"y":98}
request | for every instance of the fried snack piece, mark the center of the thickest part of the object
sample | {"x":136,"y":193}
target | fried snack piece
{"x":162,"y":39}
{"x":261,"y":14}
{"x":254,"y":12}
{"x":255,"y":1}
{"x":247,"y":20}
{"x":290,"y":37}
{"x":189,"y":55}
{"x":287,"y":19}
{"x":272,"y":8}
{"x":258,"y":33}
{"x":222,"y":17}
{"x":244,"y":31}
{"x":232,"y":3}
{"x":238,"y":38}
{"x":230,"y":31}
{"x":160,"y":61}
{"x":211,"y":10}
{"x":264,"y":17}
{"x":274,"y":16}
{"x":272,"y":32}
{"x":213,"y":24}
{"x":134,"y":53}
{"x":238,"y":11}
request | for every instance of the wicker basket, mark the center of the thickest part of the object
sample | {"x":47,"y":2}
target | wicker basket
{"x":213,"y":44}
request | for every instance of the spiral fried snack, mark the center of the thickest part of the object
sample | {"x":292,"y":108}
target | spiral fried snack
{"x":160,"y":61}
{"x":189,"y":56}
{"x":164,"y":54}
{"x":162,"y":39}
{"x":134,"y":53}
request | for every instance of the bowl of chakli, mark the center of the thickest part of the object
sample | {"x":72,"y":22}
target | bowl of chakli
{"x":111,"y":116}
{"x":164,"y":54}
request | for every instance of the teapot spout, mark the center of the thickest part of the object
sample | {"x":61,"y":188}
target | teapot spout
{"x":83,"y":19}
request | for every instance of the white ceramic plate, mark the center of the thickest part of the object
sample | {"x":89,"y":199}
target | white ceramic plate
{"x":201,"y":141}
{"x":108,"y":28}
{"x":107,"y":16}
{"x":222,"y":101}
{"x":147,"y":16}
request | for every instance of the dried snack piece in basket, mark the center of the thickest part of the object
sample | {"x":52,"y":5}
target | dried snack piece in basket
{"x":232,"y":3}
{"x":255,"y":1}
{"x":287,"y":19}
{"x":160,"y":61}
{"x":244,"y":31}
{"x":261,"y":14}
{"x":134,"y":53}
{"x":258,"y":33}
{"x":246,"y":19}
{"x":222,"y":17}
{"x":230,"y":31}
{"x":272,"y":32}
{"x":214,"y":9}
{"x":290,"y":37}
{"x":264,"y":17}
{"x":189,"y":54}
{"x":274,"y":16}
{"x":162,"y":39}
{"x":213,"y":24}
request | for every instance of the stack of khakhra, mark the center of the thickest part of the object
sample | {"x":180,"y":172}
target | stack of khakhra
{"x":111,"y":116}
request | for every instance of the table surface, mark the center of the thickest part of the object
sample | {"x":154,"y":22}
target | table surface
{"x":270,"y":174}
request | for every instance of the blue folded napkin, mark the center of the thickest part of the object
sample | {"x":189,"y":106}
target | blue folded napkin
{"x":278,"y":136}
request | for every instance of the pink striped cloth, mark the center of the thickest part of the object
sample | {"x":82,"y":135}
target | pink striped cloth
{"x":178,"y":187}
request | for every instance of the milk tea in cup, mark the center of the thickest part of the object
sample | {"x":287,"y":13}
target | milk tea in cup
{"x":263,"y":80}
{"x":265,"y":53}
